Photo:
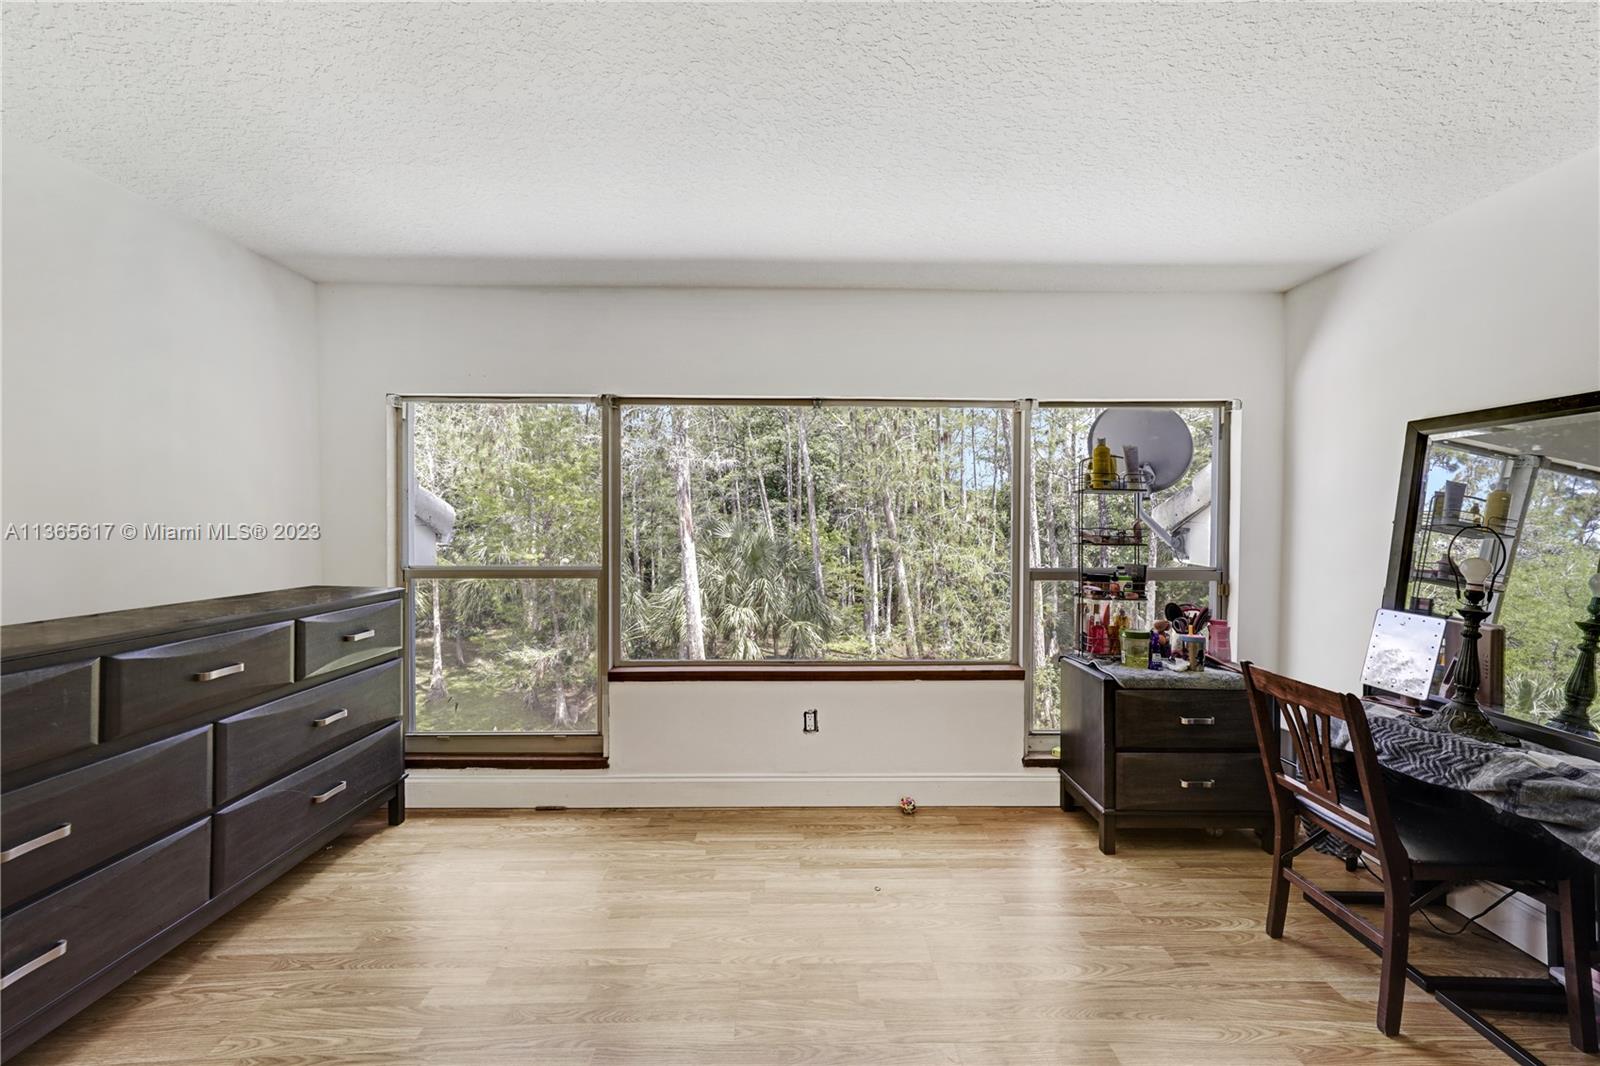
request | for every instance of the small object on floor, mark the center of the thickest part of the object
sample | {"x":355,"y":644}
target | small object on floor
{"x":908,"y":805}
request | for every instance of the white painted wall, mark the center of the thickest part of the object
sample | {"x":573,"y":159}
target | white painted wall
{"x":722,"y":742}
{"x":1496,"y":304}
{"x":154,"y":371}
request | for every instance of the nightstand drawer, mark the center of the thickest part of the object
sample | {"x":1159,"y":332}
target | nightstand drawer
{"x":1183,"y":721}
{"x":171,"y":682}
{"x":56,"y":943}
{"x":257,"y":745}
{"x":48,"y":712}
{"x":54,"y":830}
{"x":273,"y":820}
{"x":339,"y":639}
{"x":1185,"y":781}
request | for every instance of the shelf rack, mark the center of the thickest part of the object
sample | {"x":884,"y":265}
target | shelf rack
{"x":1107,"y":550}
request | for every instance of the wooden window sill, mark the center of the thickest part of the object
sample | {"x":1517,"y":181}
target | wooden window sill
{"x":809,"y":672}
{"x":433,"y":760}
{"x":1039,"y":758}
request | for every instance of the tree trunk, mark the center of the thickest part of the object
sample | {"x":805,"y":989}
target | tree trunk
{"x":761,"y":484}
{"x":694,"y":631}
{"x":962,"y":453}
{"x":869,"y":581}
{"x":436,"y":686}
{"x":561,"y":693}
{"x":811,"y":506}
{"x":789,"y":509}
{"x":892,"y":527}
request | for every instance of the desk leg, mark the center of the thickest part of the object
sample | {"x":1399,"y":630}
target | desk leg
{"x":1577,"y":953}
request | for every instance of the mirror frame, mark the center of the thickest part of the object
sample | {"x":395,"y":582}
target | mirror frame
{"x":1408,"y":508}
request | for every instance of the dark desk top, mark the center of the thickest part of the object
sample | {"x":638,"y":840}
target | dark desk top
{"x":60,"y":635}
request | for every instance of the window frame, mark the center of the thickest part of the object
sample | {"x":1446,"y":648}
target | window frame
{"x":626,"y":669}
{"x":1040,"y":741}
{"x":495,"y":744}
{"x":613,"y":667}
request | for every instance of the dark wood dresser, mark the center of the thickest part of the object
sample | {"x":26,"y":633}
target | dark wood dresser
{"x":1170,"y":755}
{"x":160,"y":765}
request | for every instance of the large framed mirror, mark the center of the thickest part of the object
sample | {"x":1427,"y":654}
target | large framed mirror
{"x":1530,"y":473}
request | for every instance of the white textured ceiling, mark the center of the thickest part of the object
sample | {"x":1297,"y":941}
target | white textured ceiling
{"x":1001,"y":144}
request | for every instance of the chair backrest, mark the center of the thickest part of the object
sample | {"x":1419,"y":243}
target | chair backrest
{"x":1308,"y":715}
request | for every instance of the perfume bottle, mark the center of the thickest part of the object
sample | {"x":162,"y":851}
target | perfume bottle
{"x":1497,"y":507}
{"x":1102,"y":467}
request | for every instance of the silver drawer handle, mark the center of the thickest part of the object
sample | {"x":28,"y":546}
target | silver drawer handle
{"x":324,"y":797}
{"x":365,"y":634}
{"x":1197,"y":721}
{"x":38,"y":962}
{"x":60,"y":832}
{"x":1209,"y":782}
{"x":221,"y":671}
{"x":329,"y":719}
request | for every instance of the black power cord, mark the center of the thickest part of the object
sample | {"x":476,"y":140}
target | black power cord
{"x":1361,"y":860}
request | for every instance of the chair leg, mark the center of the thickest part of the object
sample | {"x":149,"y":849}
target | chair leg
{"x":1577,"y":951}
{"x":1278,"y":897}
{"x":1396,"y":944}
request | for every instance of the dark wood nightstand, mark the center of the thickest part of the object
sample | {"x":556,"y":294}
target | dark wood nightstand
{"x":1170,"y":755}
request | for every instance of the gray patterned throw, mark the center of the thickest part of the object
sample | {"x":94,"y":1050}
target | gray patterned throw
{"x":1141,"y":677}
{"x":1560,"y":791}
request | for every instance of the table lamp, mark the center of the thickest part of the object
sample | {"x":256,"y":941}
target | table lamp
{"x":1580,"y":690}
{"x":1475,"y":577}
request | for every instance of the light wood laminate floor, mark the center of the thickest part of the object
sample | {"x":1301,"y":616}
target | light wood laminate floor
{"x":774,"y":936}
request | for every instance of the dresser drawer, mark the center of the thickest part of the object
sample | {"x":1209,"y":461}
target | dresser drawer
{"x":252,"y":832}
{"x":1231,"y":781}
{"x":48,"y":712}
{"x":57,"y":828}
{"x":340,"y":639}
{"x":257,"y":745}
{"x":57,"y":942}
{"x":170,"y":682}
{"x":1183,"y":721}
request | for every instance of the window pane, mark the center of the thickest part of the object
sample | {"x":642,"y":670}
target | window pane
{"x":837,"y":533}
{"x":1183,"y":510}
{"x":501,"y":655}
{"x":1052,"y":637}
{"x":1059,"y":436}
{"x":505,"y":484}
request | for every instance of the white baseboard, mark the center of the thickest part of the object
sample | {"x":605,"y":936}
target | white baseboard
{"x":603,"y":788}
{"x":1519,"y":920}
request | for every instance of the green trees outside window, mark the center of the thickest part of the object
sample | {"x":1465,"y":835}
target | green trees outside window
{"x":816,"y":533}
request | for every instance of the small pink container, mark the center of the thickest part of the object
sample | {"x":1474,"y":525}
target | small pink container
{"x":1220,"y":639}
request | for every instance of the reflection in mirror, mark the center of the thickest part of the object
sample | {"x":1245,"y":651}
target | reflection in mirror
{"x":1536,"y":483}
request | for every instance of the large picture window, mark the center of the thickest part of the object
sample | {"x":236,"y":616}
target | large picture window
{"x":835,"y":532}
{"x":550,"y":544}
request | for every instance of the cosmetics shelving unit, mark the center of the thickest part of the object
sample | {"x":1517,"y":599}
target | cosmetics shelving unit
{"x":1111,"y":550}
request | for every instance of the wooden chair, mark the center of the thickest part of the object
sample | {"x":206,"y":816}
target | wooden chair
{"x":1422,"y":851}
